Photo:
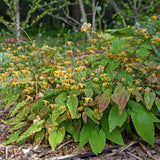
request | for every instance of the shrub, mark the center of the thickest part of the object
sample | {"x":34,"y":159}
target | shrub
{"x":113,"y":90}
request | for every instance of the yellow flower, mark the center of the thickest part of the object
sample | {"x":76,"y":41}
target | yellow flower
{"x":26,"y":91}
{"x":66,"y":85}
{"x":70,"y":52}
{"x":103,"y":75}
{"x":45,"y":102}
{"x":29,"y":98}
{"x":133,"y":75}
{"x":146,"y":90}
{"x":153,"y":75}
{"x":15,"y":83}
{"x":69,"y":43}
{"x":130,"y":90}
{"x":155,"y":17}
{"x":63,"y":107}
{"x":83,"y":90}
{"x":105,"y":84}
{"x":14,"y":51}
{"x":20,"y":48}
{"x":95,"y":79}
{"x":100,"y":67}
{"x":123,"y":79}
{"x":74,"y":87}
{"x":81,"y":85}
{"x":53,"y":105}
{"x":45,"y":83}
{"x":23,"y":71}
{"x":9,"y":55}
{"x":137,"y":81}
{"x":72,"y":81}
{"x":96,"y":85}
{"x":92,"y":74}
{"x":10,"y":69}
{"x":32,"y":83}
{"x":139,"y":88}
{"x":86,"y":62}
{"x":106,"y":78}
{"x":30,"y":88}
{"x":87,"y":99}
{"x":3,"y":83}
{"x":9,"y":49}
{"x":80,"y":109}
{"x":16,"y":73}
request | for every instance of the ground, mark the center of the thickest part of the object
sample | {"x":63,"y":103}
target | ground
{"x":69,"y":150}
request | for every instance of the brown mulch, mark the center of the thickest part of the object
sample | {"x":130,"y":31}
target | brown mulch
{"x":137,"y":150}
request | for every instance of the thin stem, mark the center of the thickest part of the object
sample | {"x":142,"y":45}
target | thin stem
{"x":150,"y":54}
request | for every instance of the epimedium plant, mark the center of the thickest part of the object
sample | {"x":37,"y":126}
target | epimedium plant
{"x":113,"y":90}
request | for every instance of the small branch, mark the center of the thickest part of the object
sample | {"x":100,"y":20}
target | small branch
{"x":149,"y":54}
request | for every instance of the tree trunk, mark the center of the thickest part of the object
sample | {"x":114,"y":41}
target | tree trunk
{"x":83,"y":15}
{"x":93,"y":15}
{"x":17,"y":21}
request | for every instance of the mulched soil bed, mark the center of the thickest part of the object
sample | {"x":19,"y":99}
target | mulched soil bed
{"x":137,"y":150}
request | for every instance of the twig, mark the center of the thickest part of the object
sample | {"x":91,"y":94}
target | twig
{"x":64,"y":144}
{"x":134,"y":156}
{"x":129,"y":145}
{"x":6,"y":152}
{"x":145,"y":149}
{"x":150,"y":54}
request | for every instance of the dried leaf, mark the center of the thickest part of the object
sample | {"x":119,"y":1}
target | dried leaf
{"x":120,"y":97}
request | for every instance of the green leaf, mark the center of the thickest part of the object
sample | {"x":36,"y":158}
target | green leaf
{"x":111,"y":66}
{"x":117,"y":45}
{"x":97,"y":140}
{"x":96,"y":115}
{"x":128,"y":77}
{"x":76,"y":135}
{"x":17,"y":107}
{"x":144,"y":126}
{"x":44,"y":111}
{"x":17,"y":126}
{"x":89,"y":93}
{"x":13,"y":137}
{"x":120,"y":97}
{"x":115,"y":135}
{"x":57,"y":111}
{"x":56,"y":137}
{"x":72,"y":104}
{"x":69,"y":126}
{"x":61,"y":97}
{"x":39,"y":136}
{"x":86,"y":132}
{"x":149,"y":99}
{"x":113,"y":118}
{"x":122,"y":118}
{"x":90,"y":115}
{"x":35,"y":127}
{"x":158,"y":103}
{"x":136,"y":93}
{"x":116,"y":119}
